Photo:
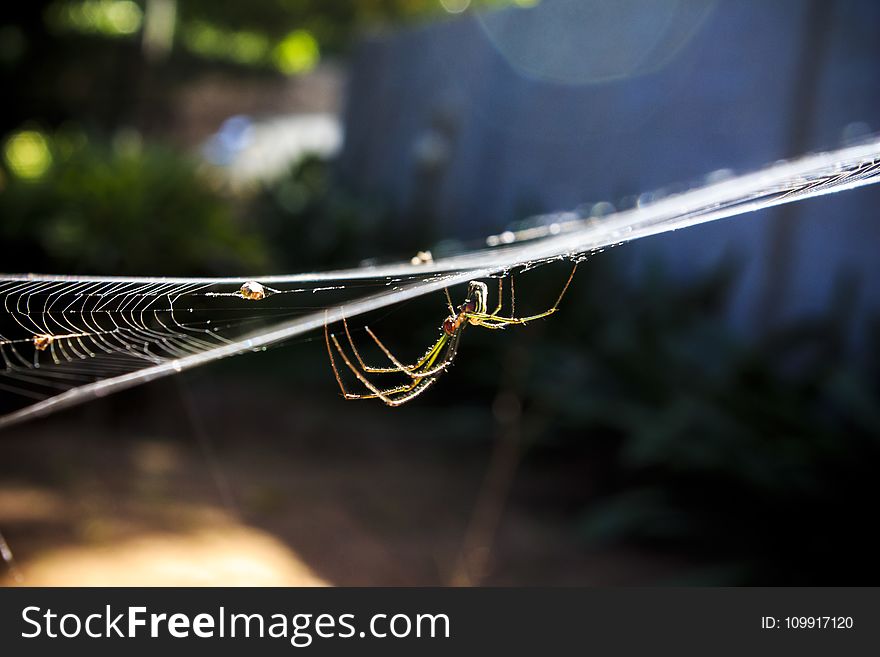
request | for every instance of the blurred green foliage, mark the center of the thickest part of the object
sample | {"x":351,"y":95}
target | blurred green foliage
{"x":754,"y":457}
{"x":311,"y":221}
{"x":335,"y":23}
{"x":288,"y":35}
{"x":122,"y":209}
{"x":112,"y":64}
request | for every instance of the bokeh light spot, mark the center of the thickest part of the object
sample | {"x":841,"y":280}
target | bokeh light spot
{"x":297,"y":53}
{"x":27,"y":154}
{"x":239,"y":46}
{"x":248,"y":47}
{"x":106,"y":17}
{"x":123,"y":17}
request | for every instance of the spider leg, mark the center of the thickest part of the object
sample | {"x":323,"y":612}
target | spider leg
{"x":418,"y":389}
{"x":565,"y":287}
{"x":496,"y":321}
{"x":398,"y":366}
{"x":427,"y":367}
{"x":500,"y":296}
{"x":428,"y":381}
{"x":398,"y":395}
{"x":377,"y":392}
{"x":345,"y":393}
{"x":424,"y":367}
{"x":497,"y":325}
{"x":410,"y":370}
{"x":513,"y":298}
{"x":414,"y":371}
{"x":409,"y":392}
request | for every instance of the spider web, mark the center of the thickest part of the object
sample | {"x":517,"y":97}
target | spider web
{"x":65,"y":333}
{"x":61,"y":333}
{"x":67,"y":339}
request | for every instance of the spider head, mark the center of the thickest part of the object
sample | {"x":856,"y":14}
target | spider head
{"x":475,"y":302}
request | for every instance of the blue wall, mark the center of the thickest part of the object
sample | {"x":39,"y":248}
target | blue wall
{"x":475,"y":122}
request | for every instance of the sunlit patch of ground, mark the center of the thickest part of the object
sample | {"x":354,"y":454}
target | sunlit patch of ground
{"x":229,"y":556}
{"x":100,"y":540}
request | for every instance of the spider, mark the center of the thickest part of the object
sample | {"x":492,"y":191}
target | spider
{"x":43,"y":341}
{"x":437,"y":359}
